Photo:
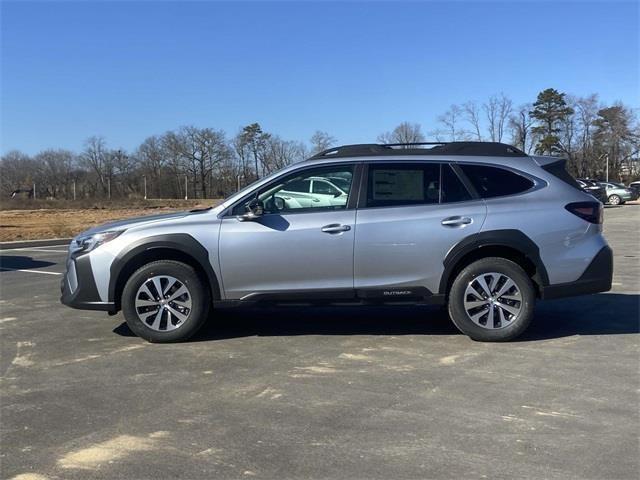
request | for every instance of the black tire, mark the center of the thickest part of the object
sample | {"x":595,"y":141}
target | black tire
{"x":614,"y":200}
{"x":197,"y":292}
{"x":519,"y":322}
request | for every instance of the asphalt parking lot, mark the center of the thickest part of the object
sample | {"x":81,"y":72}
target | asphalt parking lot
{"x":357,"y":392}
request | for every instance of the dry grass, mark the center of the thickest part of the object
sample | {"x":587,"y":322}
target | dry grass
{"x":38,"y":223}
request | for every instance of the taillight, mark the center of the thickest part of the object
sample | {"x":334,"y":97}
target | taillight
{"x":592,"y":212}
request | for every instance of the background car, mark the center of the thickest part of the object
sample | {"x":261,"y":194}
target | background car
{"x":635,"y":189}
{"x":617,"y":193}
{"x":313,"y":192}
{"x":591,"y":187}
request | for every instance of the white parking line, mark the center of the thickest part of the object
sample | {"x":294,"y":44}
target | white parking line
{"x":32,"y":249}
{"x":40,"y":250}
{"x":29,"y":271}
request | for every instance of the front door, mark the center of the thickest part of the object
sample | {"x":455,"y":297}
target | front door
{"x":303,"y":243}
{"x":413,"y":215}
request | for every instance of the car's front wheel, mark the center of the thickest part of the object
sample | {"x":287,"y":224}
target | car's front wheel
{"x":165,"y":301}
{"x":492,"y":300}
{"x":614,"y":200}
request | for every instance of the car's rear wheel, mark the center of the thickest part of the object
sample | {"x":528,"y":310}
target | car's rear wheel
{"x":614,"y":200}
{"x":165,"y":301}
{"x":492,"y":300}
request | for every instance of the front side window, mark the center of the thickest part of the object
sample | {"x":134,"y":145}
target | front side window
{"x":492,"y":182}
{"x":308,"y":190}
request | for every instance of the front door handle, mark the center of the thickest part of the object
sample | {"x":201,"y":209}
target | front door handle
{"x":335,"y":228}
{"x":456,"y":221}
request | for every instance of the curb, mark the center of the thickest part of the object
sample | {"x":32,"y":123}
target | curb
{"x":50,"y":242}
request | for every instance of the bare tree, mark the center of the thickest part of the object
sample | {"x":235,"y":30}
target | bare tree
{"x":321,"y":141}
{"x":17,"y":172}
{"x":450,"y":122}
{"x":471,"y":112}
{"x":57,"y":168}
{"x":96,"y":159}
{"x":243,"y":152}
{"x":497,"y":111}
{"x":202,"y":149}
{"x":152,"y":159}
{"x":521,"y":124}
{"x":586,"y":111}
{"x":406,"y":132}
{"x":279,"y":153}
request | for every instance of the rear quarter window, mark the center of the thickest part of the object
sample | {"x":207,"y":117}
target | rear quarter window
{"x":492,"y":182}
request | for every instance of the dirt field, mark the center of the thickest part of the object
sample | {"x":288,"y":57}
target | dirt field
{"x":33,"y":224}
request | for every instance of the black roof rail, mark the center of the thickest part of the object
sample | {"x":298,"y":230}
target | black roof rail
{"x":484,"y":149}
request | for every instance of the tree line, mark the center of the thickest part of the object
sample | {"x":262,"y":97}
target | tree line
{"x":205,"y":163}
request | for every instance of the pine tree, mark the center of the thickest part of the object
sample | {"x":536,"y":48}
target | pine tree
{"x":550,"y":110}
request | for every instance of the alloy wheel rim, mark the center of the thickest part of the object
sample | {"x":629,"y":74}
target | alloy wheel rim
{"x":492,"y":300}
{"x":615,"y":200}
{"x":163,"y":303}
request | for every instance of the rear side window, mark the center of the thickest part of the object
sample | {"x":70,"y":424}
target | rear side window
{"x":495,"y":182}
{"x":413,"y":184}
{"x":403,"y":184}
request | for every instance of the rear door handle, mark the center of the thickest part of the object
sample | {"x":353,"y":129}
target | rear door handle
{"x":456,"y":221}
{"x":335,"y":228}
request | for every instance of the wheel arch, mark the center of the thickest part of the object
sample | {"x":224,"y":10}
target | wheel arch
{"x":179,"y":247}
{"x":510,"y":244}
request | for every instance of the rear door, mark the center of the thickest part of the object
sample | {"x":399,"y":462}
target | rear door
{"x":409,"y":217}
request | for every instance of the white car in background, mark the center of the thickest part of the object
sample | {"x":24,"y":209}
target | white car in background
{"x":314,"y":192}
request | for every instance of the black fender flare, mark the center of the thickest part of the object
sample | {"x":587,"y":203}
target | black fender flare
{"x":510,"y":238}
{"x":180,"y":242}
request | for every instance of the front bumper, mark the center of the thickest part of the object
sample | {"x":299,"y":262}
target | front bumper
{"x":596,"y":278}
{"x":78,"y":286}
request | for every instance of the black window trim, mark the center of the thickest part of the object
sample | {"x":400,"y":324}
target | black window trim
{"x":364,"y":183}
{"x":351,"y":202}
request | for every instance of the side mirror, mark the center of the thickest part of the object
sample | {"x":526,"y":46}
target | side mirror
{"x":278,"y":203}
{"x":255,"y":209}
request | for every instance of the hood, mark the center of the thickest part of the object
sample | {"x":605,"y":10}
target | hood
{"x":138,"y":221}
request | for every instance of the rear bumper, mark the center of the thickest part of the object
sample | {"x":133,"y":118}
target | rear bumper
{"x":596,"y":278}
{"x":78,"y":286}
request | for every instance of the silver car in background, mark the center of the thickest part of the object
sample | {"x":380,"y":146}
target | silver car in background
{"x":479,"y":227}
{"x":617,"y":193}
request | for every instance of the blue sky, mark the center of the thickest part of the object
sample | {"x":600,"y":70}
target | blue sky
{"x":127,"y":70}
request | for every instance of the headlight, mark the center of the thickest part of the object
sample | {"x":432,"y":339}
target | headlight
{"x":90,"y":242}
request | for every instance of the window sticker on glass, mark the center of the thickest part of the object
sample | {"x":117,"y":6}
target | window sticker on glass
{"x":403,"y":185}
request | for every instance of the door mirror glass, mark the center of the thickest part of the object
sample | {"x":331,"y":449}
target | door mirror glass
{"x":254,"y":210}
{"x":278,"y":203}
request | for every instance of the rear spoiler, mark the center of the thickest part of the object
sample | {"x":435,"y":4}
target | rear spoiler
{"x":557,"y":166}
{"x":543,"y":161}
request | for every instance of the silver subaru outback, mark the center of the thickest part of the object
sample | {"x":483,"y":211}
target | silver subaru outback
{"x":482,"y":228}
